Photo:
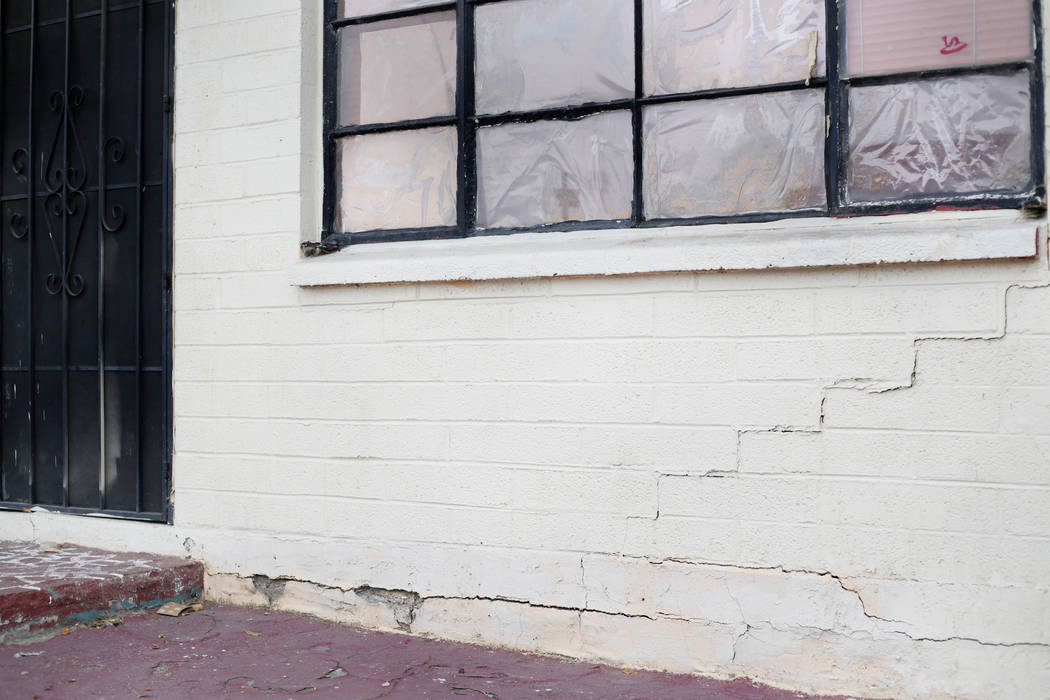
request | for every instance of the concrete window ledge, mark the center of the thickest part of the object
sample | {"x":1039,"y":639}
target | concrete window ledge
{"x":928,"y":237}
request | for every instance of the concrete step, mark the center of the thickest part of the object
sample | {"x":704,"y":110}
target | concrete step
{"x":45,"y":588}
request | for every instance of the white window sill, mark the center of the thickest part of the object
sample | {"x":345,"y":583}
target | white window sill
{"x":929,"y":237}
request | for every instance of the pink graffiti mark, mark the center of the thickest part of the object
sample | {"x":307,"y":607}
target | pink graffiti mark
{"x":952,"y":45}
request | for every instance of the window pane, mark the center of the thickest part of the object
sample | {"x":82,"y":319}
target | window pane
{"x":358,"y":8}
{"x":703,"y":44}
{"x":734,"y":155}
{"x":546,"y":53}
{"x":401,"y":69}
{"x":551,"y":171}
{"x":961,"y":134}
{"x":399,"y":179}
{"x":886,"y":36}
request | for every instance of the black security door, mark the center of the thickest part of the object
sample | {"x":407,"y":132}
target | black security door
{"x":85,"y":247}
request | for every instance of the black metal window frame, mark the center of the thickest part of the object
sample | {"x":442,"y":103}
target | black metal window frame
{"x":835,"y":85}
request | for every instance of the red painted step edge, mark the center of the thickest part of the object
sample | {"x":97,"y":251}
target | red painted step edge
{"x":81,"y":600}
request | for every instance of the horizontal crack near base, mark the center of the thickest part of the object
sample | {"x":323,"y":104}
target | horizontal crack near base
{"x":405,"y":605}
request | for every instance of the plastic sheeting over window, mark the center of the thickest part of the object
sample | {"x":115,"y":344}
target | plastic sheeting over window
{"x":551,"y":171}
{"x":703,"y":44}
{"x":711,"y":110}
{"x":397,"y":70}
{"x":887,"y":36}
{"x":399,"y":179}
{"x":548,"y":53}
{"x":735,"y":155}
{"x":358,"y":8}
{"x":961,"y":134}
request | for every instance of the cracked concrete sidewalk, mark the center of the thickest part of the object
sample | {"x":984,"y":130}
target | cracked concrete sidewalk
{"x":227,"y":651}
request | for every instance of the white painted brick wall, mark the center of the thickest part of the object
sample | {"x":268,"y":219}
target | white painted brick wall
{"x":830,"y":479}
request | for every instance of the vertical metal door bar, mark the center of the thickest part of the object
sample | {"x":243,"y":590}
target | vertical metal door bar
{"x":3,"y":242}
{"x":166,"y":335}
{"x":100,"y":199}
{"x":138,"y":268}
{"x":65,"y":117}
{"x":30,"y":239}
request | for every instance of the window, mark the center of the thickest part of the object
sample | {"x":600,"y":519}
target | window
{"x":478,"y":117}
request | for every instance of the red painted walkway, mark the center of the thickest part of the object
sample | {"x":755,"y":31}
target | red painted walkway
{"x":240,"y":652}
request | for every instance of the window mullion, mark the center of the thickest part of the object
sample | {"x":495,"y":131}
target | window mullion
{"x":466,"y":172}
{"x":835,"y":110}
{"x":1038,"y":107}
{"x":330,"y":87}
{"x":637,"y":207}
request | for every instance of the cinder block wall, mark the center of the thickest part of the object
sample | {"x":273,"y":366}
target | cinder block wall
{"x":827,"y":479}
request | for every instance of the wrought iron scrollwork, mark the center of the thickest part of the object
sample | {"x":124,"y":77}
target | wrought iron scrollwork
{"x":65,"y":201}
{"x":64,"y":173}
{"x":112,"y":216}
{"x":18,"y":224}
{"x":19,"y":162}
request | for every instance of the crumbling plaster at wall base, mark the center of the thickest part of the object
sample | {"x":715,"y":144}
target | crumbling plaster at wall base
{"x":805,"y":630}
{"x":840,"y":657}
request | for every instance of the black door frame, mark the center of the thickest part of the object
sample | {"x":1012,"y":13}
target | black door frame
{"x":65,"y":282}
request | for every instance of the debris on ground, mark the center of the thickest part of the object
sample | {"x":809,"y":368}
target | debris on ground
{"x":174,"y":609}
{"x":106,"y":622}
